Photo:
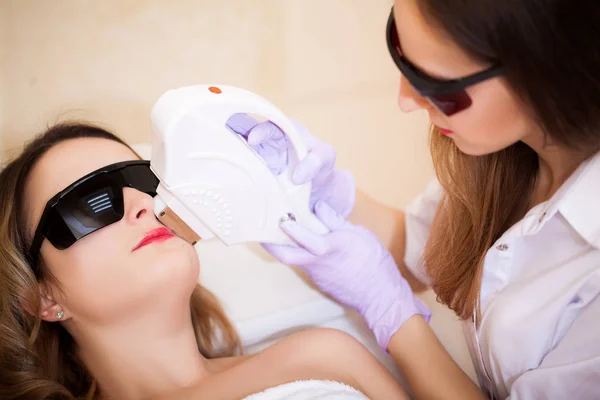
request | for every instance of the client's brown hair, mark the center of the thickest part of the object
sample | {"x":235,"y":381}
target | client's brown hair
{"x":39,"y":360}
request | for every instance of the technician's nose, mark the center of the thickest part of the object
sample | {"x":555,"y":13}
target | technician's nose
{"x":409,"y":99}
{"x":137,"y":205}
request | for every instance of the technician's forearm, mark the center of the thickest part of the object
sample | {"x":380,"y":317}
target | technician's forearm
{"x":389,"y":226}
{"x":428,"y":368}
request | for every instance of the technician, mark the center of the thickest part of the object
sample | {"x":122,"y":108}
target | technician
{"x":508,"y":236}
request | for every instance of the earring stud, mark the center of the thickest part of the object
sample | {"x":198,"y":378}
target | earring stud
{"x":60,"y":314}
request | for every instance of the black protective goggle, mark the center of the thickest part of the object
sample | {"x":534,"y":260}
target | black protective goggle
{"x":448,"y":96}
{"x":91,"y":203}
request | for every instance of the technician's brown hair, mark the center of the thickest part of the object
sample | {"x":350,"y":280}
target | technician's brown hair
{"x":39,"y":360}
{"x":550,"y":53}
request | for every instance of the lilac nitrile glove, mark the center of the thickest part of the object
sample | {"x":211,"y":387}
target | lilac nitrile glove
{"x":352,"y":266}
{"x":270,"y":143}
{"x":329,"y":184}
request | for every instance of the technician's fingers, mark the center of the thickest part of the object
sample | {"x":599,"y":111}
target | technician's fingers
{"x":264,"y":132}
{"x":241,"y":123}
{"x":330,"y":218}
{"x":314,"y":243}
{"x":307,"y":169}
{"x":290,"y":255}
{"x":327,"y":155}
{"x":319,"y":161}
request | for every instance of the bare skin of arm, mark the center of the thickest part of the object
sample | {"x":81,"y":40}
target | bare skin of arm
{"x":321,"y":354}
{"x":428,"y":368}
{"x":389,"y":226}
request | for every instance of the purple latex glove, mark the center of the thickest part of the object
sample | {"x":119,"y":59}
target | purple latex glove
{"x":329,"y":184}
{"x":354,"y":267}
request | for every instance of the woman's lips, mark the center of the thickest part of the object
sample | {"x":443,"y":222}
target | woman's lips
{"x":446,"y":131}
{"x":155,"y":235}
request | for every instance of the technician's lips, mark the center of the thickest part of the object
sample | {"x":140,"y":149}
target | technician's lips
{"x":155,"y":235}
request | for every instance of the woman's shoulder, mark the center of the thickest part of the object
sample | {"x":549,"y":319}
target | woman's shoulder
{"x":316,"y":354}
{"x":321,"y":353}
{"x":331,"y":354}
{"x":300,"y":356}
{"x":309,"y":346}
{"x":319,"y":337}
{"x":329,"y":349}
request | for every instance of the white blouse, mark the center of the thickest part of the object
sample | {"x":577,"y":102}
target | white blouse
{"x":539,"y":334}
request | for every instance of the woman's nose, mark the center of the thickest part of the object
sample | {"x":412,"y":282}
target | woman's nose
{"x":409,"y":99}
{"x":136,"y":205}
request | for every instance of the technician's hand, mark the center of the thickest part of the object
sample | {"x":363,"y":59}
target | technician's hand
{"x":329,"y":184}
{"x":352,"y":266}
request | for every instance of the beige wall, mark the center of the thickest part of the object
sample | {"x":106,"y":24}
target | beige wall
{"x":323,"y":62}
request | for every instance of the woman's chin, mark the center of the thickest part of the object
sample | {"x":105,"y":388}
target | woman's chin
{"x":176,"y":264}
{"x":475,"y":150}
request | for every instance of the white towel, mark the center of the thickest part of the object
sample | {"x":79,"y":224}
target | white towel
{"x":310,"y":390}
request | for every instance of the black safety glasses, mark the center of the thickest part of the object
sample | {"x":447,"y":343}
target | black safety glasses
{"x":91,"y":203}
{"x":449,"y":96}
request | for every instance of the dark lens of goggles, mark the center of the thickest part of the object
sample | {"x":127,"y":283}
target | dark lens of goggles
{"x":448,"y":103}
{"x":451,"y":103}
{"x":97,"y":203}
{"x":91,"y":206}
{"x":94,"y":203}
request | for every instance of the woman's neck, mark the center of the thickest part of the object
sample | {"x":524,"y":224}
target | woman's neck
{"x":556,"y":165}
{"x":142,"y":358}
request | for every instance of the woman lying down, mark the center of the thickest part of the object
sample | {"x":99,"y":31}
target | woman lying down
{"x":99,"y":301}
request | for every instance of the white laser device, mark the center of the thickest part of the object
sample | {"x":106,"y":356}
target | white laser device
{"x":212,"y":183}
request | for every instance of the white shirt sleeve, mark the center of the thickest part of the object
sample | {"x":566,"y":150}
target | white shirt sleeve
{"x":418,"y":218}
{"x":572,"y":369}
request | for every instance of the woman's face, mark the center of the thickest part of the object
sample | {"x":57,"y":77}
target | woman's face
{"x":495,"y":119}
{"x":102,"y":280}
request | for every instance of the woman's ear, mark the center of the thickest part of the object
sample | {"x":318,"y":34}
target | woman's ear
{"x":50,"y":310}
